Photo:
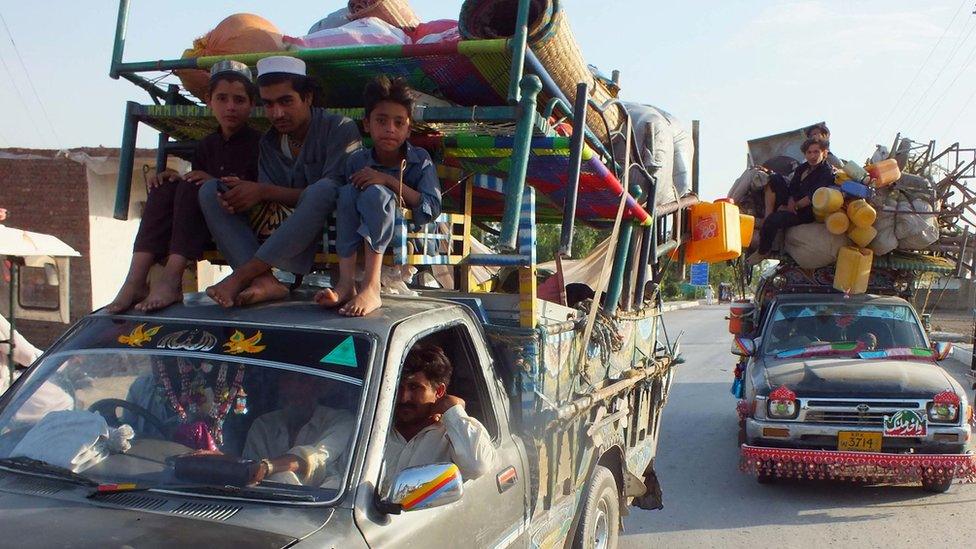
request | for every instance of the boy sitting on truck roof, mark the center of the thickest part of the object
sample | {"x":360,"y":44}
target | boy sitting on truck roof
{"x":299,"y":166}
{"x":173,"y":228}
{"x":376,"y":181}
{"x":792,"y":204}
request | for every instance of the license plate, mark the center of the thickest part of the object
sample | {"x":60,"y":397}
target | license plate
{"x":858,"y":441}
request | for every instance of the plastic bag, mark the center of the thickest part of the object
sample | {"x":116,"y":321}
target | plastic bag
{"x":361,"y":32}
{"x":335,"y":19}
{"x":812,"y":246}
{"x":73,"y":439}
{"x":916,"y":231}
{"x":440,"y":30}
{"x":885,"y":241}
{"x":239,"y":33}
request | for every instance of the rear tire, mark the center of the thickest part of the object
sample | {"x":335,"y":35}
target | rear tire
{"x":599,"y":525}
{"x":936,"y":486}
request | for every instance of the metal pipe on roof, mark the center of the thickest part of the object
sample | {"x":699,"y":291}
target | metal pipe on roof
{"x":127,"y":156}
{"x":576,"y":145}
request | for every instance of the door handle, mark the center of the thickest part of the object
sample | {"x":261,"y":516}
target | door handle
{"x":507,"y":478}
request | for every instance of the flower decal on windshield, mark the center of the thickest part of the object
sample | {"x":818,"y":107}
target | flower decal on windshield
{"x":238,"y":343}
{"x":139,"y":335}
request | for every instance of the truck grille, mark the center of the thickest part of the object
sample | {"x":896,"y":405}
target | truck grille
{"x":874,"y":419}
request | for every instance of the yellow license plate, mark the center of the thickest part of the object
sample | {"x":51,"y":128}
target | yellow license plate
{"x":858,"y":441}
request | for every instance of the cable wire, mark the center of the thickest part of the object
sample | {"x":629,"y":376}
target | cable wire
{"x":909,"y":119}
{"x":30,"y":81}
{"x":918,"y":73}
{"x":20,"y":96}
{"x":933,"y":108}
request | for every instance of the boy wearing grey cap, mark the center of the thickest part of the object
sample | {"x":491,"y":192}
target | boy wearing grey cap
{"x":172,"y":230}
{"x":299,"y":166}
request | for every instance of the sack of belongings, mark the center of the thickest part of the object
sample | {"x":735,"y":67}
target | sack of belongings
{"x":915,"y":225}
{"x":812,"y":246}
{"x":663,"y":147}
{"x":370,"y":31}
{"x":744,"y":190}
{"x":885,"y":241}
{"x":239,"y":33}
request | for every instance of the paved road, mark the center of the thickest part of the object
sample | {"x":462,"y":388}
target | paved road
{"x":708,"y":503}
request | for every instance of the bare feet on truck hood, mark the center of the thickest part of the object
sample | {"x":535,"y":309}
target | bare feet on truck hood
{"x":161,"y":296}
{"x":263,"y":288}
{"x":365,"y":302}
{"x":335,"y":297}
{"x":129,"y":294}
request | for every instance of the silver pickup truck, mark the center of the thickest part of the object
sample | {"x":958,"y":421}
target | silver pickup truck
{"x":849,"y":387}
{"x":94,"y":437}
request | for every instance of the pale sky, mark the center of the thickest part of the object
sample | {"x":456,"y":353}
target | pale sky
{"x":744,"y":68}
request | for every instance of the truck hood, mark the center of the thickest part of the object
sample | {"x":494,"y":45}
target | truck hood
{"x":844,"y":377}
{"x":45,"y":522}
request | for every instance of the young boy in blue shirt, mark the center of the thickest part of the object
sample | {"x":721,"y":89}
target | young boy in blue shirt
{"x":376,"y":182}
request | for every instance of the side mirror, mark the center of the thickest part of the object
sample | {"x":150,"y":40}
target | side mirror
{"x":943,"y":350}
{"x":423,"y":487}
{"x":743,"y":346}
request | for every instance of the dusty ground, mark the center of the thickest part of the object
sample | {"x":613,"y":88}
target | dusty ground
{"x":959,"y":322}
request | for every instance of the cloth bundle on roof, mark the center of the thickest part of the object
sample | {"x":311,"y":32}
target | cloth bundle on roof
{"x":395,"y":12}
{"x":662,"y":147}
{"x":552,"y":40}
{"x":239,"y":33}
{"x":361,"y":32}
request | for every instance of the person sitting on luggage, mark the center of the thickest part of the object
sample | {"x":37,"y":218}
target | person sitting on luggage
{"x":301,"y":157}
{"x":173,"y":228}
{"x":431,"y":426}
{"x":821,"y":133}
{"x":377,"y":181}
{"x":792,"y":204}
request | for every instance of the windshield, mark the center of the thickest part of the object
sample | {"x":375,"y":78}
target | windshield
{"x":185,"y":408}
{"x":867,"y":327}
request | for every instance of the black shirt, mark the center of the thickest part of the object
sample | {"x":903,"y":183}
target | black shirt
{"x":237,"y":156}
{"x":821,"y":176}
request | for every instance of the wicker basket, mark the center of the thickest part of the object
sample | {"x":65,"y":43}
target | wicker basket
{"x":553,"y":42}
{"x":395,"y":12}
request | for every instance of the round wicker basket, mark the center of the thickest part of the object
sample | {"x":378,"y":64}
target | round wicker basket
{"x":395,"y":12}
{"x":553,"y":42}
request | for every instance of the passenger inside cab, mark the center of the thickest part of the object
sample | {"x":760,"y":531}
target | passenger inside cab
{"x":430,"y":425}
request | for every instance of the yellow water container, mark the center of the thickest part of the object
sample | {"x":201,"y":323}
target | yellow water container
{"x":861,"y":213}
{"x":747,"y":226}
{"x":885,"y":172}
{"x":828,"y":199}
{"x":715,"y":232}
{"x":840,"y":177}
{"x":837,"y":223}
{"x":819,"y":215}
{"x":862,"y":236}
{"x":853,"y":269}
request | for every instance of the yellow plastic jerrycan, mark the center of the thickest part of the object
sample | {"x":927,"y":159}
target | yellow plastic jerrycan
{"x":862,"y":236}
{"x":853,"y":269}
{"x":861,"y":213}
{"x":837,"y":223}
{"x":747,"y":226}
{"x":715,"y":232}
{"x":827,"y":199}
{"x":885,"y":172}
{"x":819,"y":216}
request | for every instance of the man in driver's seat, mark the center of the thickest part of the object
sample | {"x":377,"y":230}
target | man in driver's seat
{"x":301,"y":442}
{"x":431,"y":426}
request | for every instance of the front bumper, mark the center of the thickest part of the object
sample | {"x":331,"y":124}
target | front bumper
{"x":833,"y":464}
{"x":940,"y":439}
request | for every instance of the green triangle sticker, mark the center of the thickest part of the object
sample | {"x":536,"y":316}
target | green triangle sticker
{"x":344,"y":354}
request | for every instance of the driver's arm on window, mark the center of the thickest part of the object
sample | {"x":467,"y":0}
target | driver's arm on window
{"x":471,"y":447}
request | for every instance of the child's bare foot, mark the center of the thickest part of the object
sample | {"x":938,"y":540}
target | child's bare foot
{"x":263,"y":288}
{"x":226,"y":292}
{"x":129,"y":294}
{"x":365,"y":302}
{"x":331,"y":298}
{"x":161,"y":295}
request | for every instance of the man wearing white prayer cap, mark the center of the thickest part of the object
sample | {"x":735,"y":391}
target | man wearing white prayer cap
{"x":301,"y":158}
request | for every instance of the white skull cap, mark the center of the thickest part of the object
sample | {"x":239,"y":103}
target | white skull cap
{"x":281,"y":64}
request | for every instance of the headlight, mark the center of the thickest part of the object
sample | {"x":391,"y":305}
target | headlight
{"x":944,"y":407}
{"x":782,"y":404}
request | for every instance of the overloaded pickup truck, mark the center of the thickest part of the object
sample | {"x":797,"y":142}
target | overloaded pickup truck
{"x":92,"y":437}
{"x":847,"y":387}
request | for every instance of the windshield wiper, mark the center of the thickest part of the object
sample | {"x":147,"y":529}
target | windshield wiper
{"x":41,"y":468}
{"x":254,"y":492}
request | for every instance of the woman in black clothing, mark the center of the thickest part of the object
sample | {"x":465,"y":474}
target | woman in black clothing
{"x":790,"y":204}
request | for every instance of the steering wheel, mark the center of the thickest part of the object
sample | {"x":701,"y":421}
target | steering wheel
{"x":108,"y":407}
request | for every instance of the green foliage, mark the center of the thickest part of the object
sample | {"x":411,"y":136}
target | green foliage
{"x":547,"y":239}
